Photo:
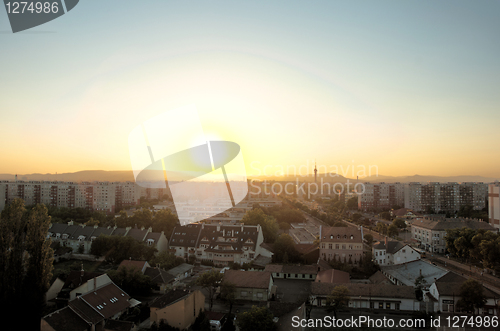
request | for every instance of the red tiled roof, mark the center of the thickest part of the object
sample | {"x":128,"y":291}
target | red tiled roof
{"x":108,"y":300}
{"x":132,"y":264}
{"x":248,"y":279}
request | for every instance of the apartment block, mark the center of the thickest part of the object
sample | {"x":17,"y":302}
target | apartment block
{"x":97,"y":196}
{"x":494,"y":204}
{"x":445,"y":197}
{"x":378,"y":196}
{"x":219,"y":243}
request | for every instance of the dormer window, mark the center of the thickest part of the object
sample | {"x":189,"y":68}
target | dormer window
{"x":331,"y":236}
{"x":81,"y":238}
{"x":151,"y":242}
{"x":92,"y":238}
{"x":352,"y":237}
{"x":65,"y":236}
{"x":58,"y":235}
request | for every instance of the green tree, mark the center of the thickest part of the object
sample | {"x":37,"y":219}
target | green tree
{"x":257,"y":318}
{"x":268,"y":223}
{"x":382,"y":228}
{"x":131,"y":280}
{"x":210,"y":280}
{"x":400,"y":223}
{"x":472,"y":296}
{"x":420,"y":286}
{"x":369,"y":239}
{"x":352,"y":203}
{"x":117,"y":248}
{"x":228,"y":294}
{"x":26,"y":261}
{"x":285,"y":245}
{"x":386,"y":215}
{"x":164,"y":220}
{"x":337,"y":299}
{"x":392,"y":230}
{"x":166,"y":260}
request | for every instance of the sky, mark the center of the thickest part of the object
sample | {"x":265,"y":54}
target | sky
{"x":410,"y":87}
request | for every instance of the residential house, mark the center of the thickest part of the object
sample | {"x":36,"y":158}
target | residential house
{"x":251,"y":285}
{"x":369,"y":296}
{"x":305,"y":272}
{"x":178,"y":308}
{"x":163,"y":280}
{"x":407,"y":273}
{"x":445,"y":292}
{"x":90,"y":311}
{"x":429,"y":232}
{"x":181,"y":271}
{"x":344,"y":244}
{"x":78,"y":283}
{"x":80,"y":237}
{"x":389,"y":252}
{"x":221,"y":244}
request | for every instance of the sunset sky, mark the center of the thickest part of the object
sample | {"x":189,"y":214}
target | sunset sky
{"x":409,"y":86}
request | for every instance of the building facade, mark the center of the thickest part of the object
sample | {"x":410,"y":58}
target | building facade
{"x":430,"y":232}
{"x":344,"y":244}
{"x":445,"y":197}
{"x":218,"y":243}
{"x":380,"y":196}
{"x":393,"y":252}
{"x":494,"y":204}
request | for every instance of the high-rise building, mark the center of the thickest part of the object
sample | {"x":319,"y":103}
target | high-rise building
{"x":494,"y":204}
{"x":98,"y":196}
{"x":445,"y":197}
{"x":379,"y":196}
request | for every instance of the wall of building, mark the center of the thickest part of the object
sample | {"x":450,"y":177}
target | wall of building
{"x":180,"y":314}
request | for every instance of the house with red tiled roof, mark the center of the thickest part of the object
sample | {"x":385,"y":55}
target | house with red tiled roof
{"x":251,"y":285}
{"x":344,"y":244}
{"x":90,"y":311}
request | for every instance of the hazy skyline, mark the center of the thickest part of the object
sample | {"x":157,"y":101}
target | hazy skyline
{"x":411,"y":87}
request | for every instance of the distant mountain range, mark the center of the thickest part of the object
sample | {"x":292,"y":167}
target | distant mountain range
{"x":121,"y":176}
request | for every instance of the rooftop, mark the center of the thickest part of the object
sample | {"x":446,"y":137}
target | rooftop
{"x":250,"y":279}
{"x":169,"y":298}
{"x":333,"y":276}
{"x":407,"y":273}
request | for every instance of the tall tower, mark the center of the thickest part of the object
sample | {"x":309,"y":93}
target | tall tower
{"x":315,"y":172}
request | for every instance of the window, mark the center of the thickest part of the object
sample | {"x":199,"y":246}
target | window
{"x":243,"y":293}
{"x":337,"y":246}
{"x":381,"y":305}
{"x":259,"y":295}
{"x":387,"y":305}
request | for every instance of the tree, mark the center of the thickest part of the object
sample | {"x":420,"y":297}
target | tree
{"x":356,"y":217}
{"x":210,"y":280}
{"x":268,"y":223}
{"x":392,"y":230}
{"x":166,"y":260}
{"x":118,"y":248}
{"x":382,"y":228}
{"x":386,"y":215}
{"x":472,"y":296}
{"x":228,"y":294}
{"x":339,"y":224}
{"x":352,"y":203}
{"x":369,"y":239}
{"x":26,"y":261}
{"x":338,"y":299}
{"x":131,"y":280}
{"x":285,"y":246}
{"x":400,"y":223}
{"x":257,"y":318}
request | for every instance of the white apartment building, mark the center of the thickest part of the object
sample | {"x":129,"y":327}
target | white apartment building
{"x":494,"y":204}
